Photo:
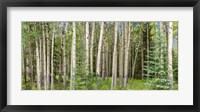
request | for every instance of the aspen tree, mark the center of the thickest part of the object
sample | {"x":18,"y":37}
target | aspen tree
{"x":121,"y":55}
{"x":52,"y":59}
{"x":30,"y":59}
{"x":44,"y":57}
{"x":87,"y":45}
{"x":73,"y":57}
{"x":127,"y":42}
{"x":170,"y":45}
{"x":91,"y":47}
{"x":64,"y":54}
{"x":114,"y":65}
{"x":38,"y":66}
{"x":48,"y":56}
{"x":99,"y":50}
{"x":103,"y":59}
{"x":37,"y":61}
{"x":41,"y":56}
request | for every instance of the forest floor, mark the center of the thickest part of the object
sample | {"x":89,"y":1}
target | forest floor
{"x":135,"y":84}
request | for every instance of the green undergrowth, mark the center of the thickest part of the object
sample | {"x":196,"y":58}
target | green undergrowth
{"x":132,"y":84}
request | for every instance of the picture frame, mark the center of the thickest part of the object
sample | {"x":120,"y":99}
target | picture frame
{"x":4,"y":4}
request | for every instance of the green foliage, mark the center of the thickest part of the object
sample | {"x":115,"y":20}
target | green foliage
{"x":158,"y":84}
{"x":175,"y":63}
{"x":175,"y":29}
{"x":156,"y":68}
{"x":133,"y":84}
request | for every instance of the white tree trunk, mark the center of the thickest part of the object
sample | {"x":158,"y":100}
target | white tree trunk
{"x":38,"y":66}
{"x":41,"y":56}
{"x":114,"y":65}
{"x":30,"y":60}
{"x":73,"y":57}
{"x":170,"y":45}
{"x":127,"y":42}
{"x":91,"y":47}
{"x":103,"y":59}
{"x":99,"y":50}
{"x":64,"y":55}
{"x":44,"y":57}
{"x":52,"y":59}
{"x":87,"y":46}
{"x":48,"y":57}
{"x":121,"y":55}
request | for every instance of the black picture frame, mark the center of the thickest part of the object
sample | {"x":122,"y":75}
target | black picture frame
{"x":100,"y":3}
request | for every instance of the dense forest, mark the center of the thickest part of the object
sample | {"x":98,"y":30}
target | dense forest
{"x":99,"y":55}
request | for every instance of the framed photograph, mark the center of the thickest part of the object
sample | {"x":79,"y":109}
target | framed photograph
{"x":103,"y":55}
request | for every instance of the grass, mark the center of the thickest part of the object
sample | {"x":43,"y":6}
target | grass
{"x":135,"y":84}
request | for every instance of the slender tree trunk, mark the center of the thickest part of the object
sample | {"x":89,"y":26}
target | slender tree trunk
{"x":73,"y":57}
{"x":99,"y":50}
{"x":38,"y":65}
{"x":104,"y":56}
{"x":121,"y":55}
{"x":103,"y":59}
{"x":147,"y":48}
{"x":135,"y":60}
{"x":41,"y":56}
{"x":33,"y":61}
{"x":52,"y":59}
{"x":107,"y":62}
{"x":127,"y":42}
{"x":125,"y":54}
{"x":44,"y":57}
{"x":87,"y":46}
{"x":61,"y":61}
{"x":170,"y":45}
{"x":69,"y":65}
{"x":24,"y":51}
{"x":30,"y":60}
{"x":129,"y":62}
{"x":142,"y":51}
{"x":98,"y":64}
{"x":109,"y":58}
{"x":114,"y":65}
{"x":64,"y":55}
{"x":167,"y":34}
{"x":133,"y":57}
{"x":48,"y":56}
{"x":91,"y":47}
